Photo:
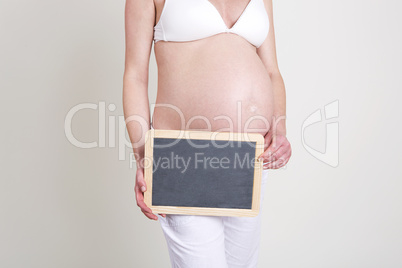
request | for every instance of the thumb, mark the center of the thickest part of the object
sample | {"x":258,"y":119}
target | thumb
{"x":142,"y":185}
{"x":266,"y":154}
{"x":140,"y":180}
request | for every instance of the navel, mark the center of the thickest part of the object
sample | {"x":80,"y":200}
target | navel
{"x":252,"y":108}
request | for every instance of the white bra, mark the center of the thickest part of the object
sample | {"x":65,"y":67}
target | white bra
{"x":188,"y":20}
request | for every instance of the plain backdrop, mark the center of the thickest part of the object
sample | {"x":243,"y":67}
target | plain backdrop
{"x":65,"y":206}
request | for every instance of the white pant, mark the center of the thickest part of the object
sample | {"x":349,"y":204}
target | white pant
{"x":213,"y":241}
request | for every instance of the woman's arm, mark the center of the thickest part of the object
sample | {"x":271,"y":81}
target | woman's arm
{"x":139,"y":22}
{"x":267,"y":53}
{"x":278,"y":149}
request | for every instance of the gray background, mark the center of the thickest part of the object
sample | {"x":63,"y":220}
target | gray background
{"x":63,"y":206}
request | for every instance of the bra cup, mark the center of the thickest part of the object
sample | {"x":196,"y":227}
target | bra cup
{"x":253,"y":25}
{"x":189,"y":20}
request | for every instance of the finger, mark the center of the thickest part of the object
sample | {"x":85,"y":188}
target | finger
{"x":281,"y":147}
{"x":283,"y":152}
{"x":142,"y":185}
{"x":163,"y":215}
{"x":265,"y":156}
{"x":269,"y":156}
{"x":267,"y":140}
{"x":275,"y":165}
{"x":280,"y":153}
{"x":284,"y":159}
{"x":271,"y":150}
{"x":272,"y":165}
{"x":140,"y":200}
{"x":144,"y":207}
{"x":140,"y":180}
{"x":277,"y":142}
{"x":278,"y":163}
{"x":150,"y":215}
{"x":268,"y":165}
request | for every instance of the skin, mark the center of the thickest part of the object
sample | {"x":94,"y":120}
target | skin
{"x":203,"y":84}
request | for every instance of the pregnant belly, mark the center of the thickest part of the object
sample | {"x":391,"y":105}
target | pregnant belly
{"x":212,"y":91}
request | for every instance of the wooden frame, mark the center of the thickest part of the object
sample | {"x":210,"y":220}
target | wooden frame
{"x":205,"y":135}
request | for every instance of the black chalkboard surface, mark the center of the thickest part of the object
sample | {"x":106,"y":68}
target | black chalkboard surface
{"x":203,"y":173}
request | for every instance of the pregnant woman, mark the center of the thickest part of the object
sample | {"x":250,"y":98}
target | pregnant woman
{"x":217,"y":71}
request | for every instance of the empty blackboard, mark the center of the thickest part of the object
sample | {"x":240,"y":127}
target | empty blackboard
{"x":203,"y":173}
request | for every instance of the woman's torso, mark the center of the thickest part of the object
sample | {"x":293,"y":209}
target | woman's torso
{"x":218,"y":83}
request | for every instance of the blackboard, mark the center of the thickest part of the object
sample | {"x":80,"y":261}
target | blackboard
{"x":203,"y":173}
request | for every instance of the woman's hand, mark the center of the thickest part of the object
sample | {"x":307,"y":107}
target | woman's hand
{"x":139,"y":189}
{"x":278,"y":152}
